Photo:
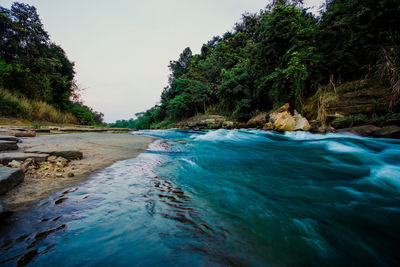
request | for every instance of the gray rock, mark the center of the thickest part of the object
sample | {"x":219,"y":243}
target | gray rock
{"x":14,"y":164}
{"x":8,"y":145}
{"x":365,"y":130}
{"x":10,"y":178}
{"x":388,"y":132}
{"x":5,"y":158}
{"x":67,"y":154}
{"x":9,"y":138}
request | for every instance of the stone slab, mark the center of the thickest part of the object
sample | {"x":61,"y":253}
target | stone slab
{"x":10,"y":178}
{"x":8,"y":145}
{"x":9,"y":138}
{"x":5,"y":158}
{"x":67,"y":154}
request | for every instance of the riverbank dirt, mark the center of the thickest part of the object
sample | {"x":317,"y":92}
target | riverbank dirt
{"x":99,"y":151}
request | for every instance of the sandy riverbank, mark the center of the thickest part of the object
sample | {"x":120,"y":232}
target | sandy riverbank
{"x":99,"y":151}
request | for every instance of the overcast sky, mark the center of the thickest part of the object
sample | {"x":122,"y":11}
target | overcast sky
{"x":122,"y":48}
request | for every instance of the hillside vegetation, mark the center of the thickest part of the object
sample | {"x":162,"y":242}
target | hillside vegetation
{"x":283,"y":54}
{"x":36,"y":77}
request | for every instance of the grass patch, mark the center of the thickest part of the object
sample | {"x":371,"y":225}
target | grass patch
{"x":33,"y":110}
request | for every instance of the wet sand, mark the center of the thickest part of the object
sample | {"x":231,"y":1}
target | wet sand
{"x":99,"y":151}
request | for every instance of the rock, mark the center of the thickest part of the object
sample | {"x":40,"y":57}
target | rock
{"x":392,"y":131}
{"x":70,"y":174}
{"x":29,"y":164}
{"x":282,"y":120}
{"x":59,"y":165}
{"x":365,"y":130}
{"x":59,"y":175}
{"x":44,"y":166}
{"x":52,"y":159}
{"x":10,"y":178}
{"x":325,"y":129}
{"x":315,"y":125}
{"x":240,"y":125}
{"x":228,"y":124}
{"x":14,"y":164}
{"x":5,"y":158}
{"x":301,"y":122}
{"x":258,"y":121}
{"x":8,"y":145}
{"x":9,"y":138}
{"x":61,"y":162}
{"x":268,"y":126}
{"x":24,"y":133}
{"x":4,"y":211}
{"x":68,"y":154}
{"x":59,"y":170}
{"x":201,"y":122}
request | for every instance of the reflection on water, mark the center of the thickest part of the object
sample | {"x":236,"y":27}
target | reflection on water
{"x":241,"y":197}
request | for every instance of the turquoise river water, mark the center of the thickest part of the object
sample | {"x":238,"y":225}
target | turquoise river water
{"x":217,"y":198}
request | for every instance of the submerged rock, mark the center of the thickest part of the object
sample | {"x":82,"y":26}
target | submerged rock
{"x":10,"y":178}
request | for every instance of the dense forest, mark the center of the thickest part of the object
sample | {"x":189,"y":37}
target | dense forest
{"x":36,"y":77}
{"x":281,"y":54}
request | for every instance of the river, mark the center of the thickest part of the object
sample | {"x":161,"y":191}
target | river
{"x":224,"y":197}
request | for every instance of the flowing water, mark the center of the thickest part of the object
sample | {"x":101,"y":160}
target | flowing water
{"x":240,"y":197}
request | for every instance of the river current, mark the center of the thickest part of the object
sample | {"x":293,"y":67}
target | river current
{"x":224,"y":197}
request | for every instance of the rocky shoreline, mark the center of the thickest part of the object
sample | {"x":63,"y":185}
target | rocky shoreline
{"x":40,"y":166}
{"x":282,"y":120}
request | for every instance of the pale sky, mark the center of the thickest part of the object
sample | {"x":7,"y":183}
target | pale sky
{"x":122,"y":48}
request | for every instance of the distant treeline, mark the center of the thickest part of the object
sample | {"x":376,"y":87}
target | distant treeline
{"x":282,"y":54}
{"x":32,"y":68}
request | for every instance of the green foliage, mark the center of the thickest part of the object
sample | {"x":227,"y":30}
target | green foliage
{"x":86,"y":115}
{"x":11,"y":107}
{"x":282,"y":54}
{"x":33,"y":67}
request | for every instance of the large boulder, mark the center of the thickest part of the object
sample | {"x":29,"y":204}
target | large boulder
{"x":301,"y":122}
{"x":10,"y":178}
{"x":282,"y":120}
